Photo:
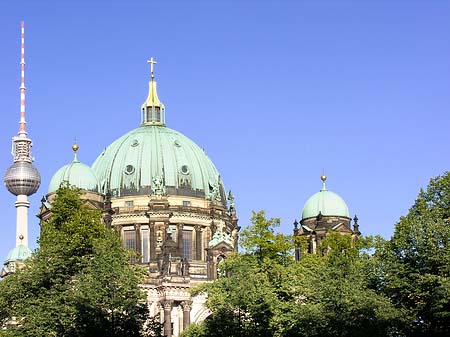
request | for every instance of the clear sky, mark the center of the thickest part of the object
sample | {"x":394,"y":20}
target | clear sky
{"x":274,"y":91}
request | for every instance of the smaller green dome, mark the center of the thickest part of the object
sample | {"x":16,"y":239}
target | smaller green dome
{"x":325,"y":202}
{"x":18,"y":254}
{"x":75,"y":173}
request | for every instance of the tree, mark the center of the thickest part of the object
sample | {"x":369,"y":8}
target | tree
{"x":260,"y":239}
{"x":267,"y":293}
{"x":243,"y":303}
{"x":416,"y":261}
{"x":335,"y":297}
{"x":78,"y":282}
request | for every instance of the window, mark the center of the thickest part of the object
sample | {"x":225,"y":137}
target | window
{"x":129,"y":169}
{"x":129,"y":239}
{"x":186,"y":203}
{"x":145,"y":242}
{"x":129,"y":203}
{"x":184,"y":169}
{"x":153,"y":115}
{"x":187,"y":244}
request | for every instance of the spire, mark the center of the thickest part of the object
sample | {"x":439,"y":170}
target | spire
{"x":22,"y":123}
{"x":153,"y":111}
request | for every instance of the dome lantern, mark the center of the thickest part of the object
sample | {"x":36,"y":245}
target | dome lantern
{"x":153,"y":110}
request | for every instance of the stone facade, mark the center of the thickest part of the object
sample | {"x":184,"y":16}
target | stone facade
{"x":315,"y":229}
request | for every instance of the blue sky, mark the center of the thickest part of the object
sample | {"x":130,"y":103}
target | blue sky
{"x":274,"y":91}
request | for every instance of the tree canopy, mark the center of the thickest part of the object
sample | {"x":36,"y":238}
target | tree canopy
{"x":267,"y":293}
{"x":368,"y":287}
{"x":78,"y":282}
{"x":415,"y":263}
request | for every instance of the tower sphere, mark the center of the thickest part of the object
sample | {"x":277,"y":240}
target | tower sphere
{"x":22,"y":178}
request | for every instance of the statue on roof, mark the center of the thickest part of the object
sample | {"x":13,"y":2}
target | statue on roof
{"x":219,"y":237}
{"x":231,"y":209}
{"x":158,"y":187}
{"x":214,"y":192}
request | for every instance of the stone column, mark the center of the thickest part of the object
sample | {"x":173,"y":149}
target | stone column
{"x":186,"y":305}
{"x":152,"y":239}
{"x":137,"y":230}
{"x":209,"y":265}
{"x":167,"y":318}
{"x":198,"y":242}
{"x":119,"y":228}
{"x":107,"y":210}
{"x":180,"y":239}
{"x":166,"y":226}
{"x":314,"y":245}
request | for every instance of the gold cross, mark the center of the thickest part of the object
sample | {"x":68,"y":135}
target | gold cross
{"x":152,"y":63}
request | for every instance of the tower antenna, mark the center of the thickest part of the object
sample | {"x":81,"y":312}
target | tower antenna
{"x":22,"y":123}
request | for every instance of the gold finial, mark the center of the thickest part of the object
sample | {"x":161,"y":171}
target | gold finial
{"x":323,"y":177}
{"x":152,"y":66}
{"x":75,"y":148}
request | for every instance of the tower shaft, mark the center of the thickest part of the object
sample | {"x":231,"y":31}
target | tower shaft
{"x":22,"y":204}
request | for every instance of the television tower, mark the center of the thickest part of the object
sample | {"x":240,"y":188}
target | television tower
{"x":22,"y":179}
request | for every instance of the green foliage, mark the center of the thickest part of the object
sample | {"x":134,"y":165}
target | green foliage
{"x":368,"y":287}
{"x":261,"y":240}
{"x":267,"y":293}
{"x":78,"y":283}
{"x":416,"y":261}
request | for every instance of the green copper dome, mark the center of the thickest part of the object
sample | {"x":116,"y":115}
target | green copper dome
{"x":18,"y":254}
{"x":325,"y":202}
{"x":156,"y":160}
{"x":151,"y":156}
{"x":75,"y":173}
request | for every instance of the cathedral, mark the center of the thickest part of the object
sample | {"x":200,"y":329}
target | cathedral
{"x":164,"y":196}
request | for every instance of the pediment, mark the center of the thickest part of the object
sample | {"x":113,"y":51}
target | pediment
{"x":342,"y":228}
{"x":222,"y":247}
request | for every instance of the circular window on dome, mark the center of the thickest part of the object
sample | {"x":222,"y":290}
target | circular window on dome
{"x":184,"y":169}
{"x":134,"y":143}
{"x":129,"y":169}
{"x":177,"y":143}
